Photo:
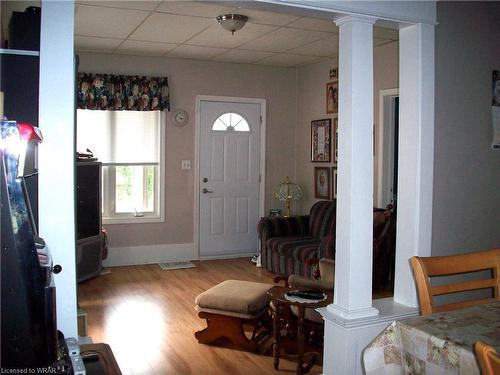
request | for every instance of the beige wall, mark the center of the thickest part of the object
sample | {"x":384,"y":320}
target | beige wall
{"x":188,"y":78}
{"x":312,"y":80}
{"x":311,"y":85}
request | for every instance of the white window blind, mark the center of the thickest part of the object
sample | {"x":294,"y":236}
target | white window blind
{"x":119,"y":137}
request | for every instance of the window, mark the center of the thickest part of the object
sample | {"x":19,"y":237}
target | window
{"x":130,"y":146}
{"x":231,"y":122}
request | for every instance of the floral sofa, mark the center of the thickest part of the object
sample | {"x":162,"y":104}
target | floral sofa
{"x":286,"y":243}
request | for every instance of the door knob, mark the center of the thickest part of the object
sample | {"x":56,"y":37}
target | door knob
{"x":205,"y":179}
{"x":205,"y":191}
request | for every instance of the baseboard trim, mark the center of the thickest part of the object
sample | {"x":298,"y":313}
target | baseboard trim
{"x":229,"y":256}
{"x":150,"y":254}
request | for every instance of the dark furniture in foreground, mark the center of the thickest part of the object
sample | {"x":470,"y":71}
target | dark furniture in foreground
{"x":305,"y":354}
{"x":99,"y":360}
{"x":287,"y":243}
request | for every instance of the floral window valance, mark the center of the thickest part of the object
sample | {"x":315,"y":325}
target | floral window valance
{"x":120,"y":92}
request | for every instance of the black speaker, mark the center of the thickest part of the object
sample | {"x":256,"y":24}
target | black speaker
{"x":88,"y":199}
{"x":24,"y":29}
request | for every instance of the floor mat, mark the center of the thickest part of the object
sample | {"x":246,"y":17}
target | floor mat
{"x":175,"y":265}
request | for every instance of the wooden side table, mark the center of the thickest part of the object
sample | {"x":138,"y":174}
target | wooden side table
{"x":278,"y":307}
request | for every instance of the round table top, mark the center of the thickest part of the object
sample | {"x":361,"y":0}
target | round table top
{"x":277,"y":294}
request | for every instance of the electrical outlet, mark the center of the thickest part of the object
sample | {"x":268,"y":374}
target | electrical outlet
{"x":185,"y":164}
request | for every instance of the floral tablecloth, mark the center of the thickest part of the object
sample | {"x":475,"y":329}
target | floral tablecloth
{"x":434,"y":344}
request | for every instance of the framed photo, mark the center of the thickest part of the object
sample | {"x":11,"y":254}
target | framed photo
{"x":322,"y":182}
{"x":335,"y":140}
{"x":332,"y":97}
{"x":275,"y":212}
{"x":334,"y":182}
{"x":321,"y":132}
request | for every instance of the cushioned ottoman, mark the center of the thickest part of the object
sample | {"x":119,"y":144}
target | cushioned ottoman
{"x":229,"y":306}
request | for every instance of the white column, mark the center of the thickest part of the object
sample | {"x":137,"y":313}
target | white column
{"x":416,"y":155}
{"x":57,"y":153}
{"x":354,"y":228}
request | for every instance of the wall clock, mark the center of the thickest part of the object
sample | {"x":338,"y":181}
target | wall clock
{"x":180,"y":117}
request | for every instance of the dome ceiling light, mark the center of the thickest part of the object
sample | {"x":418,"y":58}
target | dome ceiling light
{"x":232,"y":22}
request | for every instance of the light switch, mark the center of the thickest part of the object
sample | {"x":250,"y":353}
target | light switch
{"x":185,"y":164}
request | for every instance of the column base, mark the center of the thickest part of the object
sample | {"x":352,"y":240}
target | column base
{"x":352,"y":314}
{"x":345,"y":339}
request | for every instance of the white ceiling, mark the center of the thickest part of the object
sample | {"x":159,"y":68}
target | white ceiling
{"x":189,"y":29}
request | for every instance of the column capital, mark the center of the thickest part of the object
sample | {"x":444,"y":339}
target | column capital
{"x":351,"y":19}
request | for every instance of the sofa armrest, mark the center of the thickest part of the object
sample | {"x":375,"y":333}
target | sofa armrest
{"x":302,"y":283}
{"x":282,"y":227}
{"x":327,"y":246}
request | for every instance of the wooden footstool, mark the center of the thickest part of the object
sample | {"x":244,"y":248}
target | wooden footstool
{"x":229,"y":306}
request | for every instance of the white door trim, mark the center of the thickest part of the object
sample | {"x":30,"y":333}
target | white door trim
{"x":262,"y":161}
{"x":382,"y":139}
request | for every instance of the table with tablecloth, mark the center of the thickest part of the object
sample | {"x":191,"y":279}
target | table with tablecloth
{"x":440,"y":343}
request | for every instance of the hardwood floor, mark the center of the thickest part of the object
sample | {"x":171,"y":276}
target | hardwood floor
{"x":147,"y":316}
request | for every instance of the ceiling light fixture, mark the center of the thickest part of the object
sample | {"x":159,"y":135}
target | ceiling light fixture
{"x":232,"y":22}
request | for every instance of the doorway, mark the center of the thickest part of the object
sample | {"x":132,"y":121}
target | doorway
{"x":230,"y":188}
{"x":388,"y":134}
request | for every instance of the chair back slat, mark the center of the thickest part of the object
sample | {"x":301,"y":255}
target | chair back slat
{"x":455,"y":264}
{"x":425,"y":268}
{"x":462,"y":287}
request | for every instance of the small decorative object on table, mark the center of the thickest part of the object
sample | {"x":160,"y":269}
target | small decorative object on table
{"x":275,"y":212}
{"x":288,"y":191}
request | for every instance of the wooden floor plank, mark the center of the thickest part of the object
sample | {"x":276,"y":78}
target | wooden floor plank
{"x":147,"y":316}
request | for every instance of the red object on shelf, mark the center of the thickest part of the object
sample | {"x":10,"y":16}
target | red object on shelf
{"x":29,"y":132}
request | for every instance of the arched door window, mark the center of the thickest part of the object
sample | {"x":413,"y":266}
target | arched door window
{"x":231,"y":122}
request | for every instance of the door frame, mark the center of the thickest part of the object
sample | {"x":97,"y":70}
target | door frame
{"x":385,"y":142}
{"x":262,"y":158}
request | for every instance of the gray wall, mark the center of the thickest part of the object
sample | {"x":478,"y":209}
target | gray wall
{"x":466,"y":212}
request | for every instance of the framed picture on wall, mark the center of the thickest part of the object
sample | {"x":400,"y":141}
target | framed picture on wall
{"x":321,"y":132}
{"x":334,"y":182}
{"x":335,"y":140}
{"x":322,"y":182}
{"x":332,"y":97}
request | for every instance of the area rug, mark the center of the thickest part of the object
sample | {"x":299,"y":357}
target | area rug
{"x":175,"y":265}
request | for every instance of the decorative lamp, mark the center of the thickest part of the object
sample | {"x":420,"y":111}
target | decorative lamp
{"x":232,"y":22}
{"x":288,"y":191}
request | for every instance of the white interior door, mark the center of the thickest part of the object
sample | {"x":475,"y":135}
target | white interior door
{"x":229,"y":177}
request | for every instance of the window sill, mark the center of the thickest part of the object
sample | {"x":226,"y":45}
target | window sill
{"x":132,"y":220}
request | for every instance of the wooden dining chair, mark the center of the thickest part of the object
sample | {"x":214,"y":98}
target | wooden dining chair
{"x":425,"y":268}
{"x":488,"y":359}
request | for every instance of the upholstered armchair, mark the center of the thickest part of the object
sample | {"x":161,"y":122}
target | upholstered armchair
{"x":292,"y":245}
{"x":287,"y":242}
